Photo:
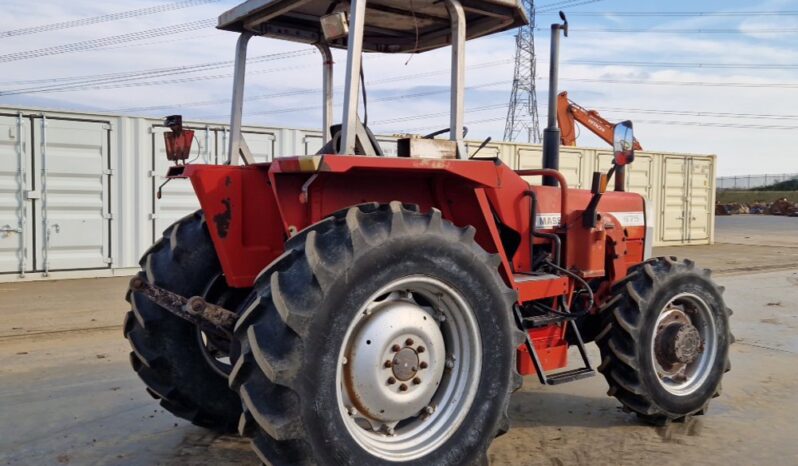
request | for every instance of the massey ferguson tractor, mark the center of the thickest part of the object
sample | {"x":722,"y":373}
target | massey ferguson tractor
{"x":353,"y":308}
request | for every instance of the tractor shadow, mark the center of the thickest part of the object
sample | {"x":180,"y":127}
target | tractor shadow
{"x":544,"y":408}
{"x":204,"y":448}
{"x":547,"y":407}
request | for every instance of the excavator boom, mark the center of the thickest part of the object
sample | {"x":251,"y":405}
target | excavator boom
{"x":569,"y":113}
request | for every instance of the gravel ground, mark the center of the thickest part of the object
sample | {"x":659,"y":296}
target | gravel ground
{"x":68,"y":395}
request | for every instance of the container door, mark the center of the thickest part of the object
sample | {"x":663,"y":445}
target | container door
{"x":674,"y":191}
{"x":639,"y":174}
{"x":491,"y":150}
{"x":261,"y":144}
{"x":313,"y":143}
{"x":699,"y":213}
{"x":572,"y":163}
{"x":72,"y":179}
{"x":16,"y":213}
{"x":177,"y":196}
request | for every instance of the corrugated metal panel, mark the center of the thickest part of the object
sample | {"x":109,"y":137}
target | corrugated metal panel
{"x":573,"y":163}
{"x":699,"y":199}
{"x":260,"y":143}
{"x":675,"y":185}
{"x":641,"y":175}
{"x":312,"y":143}
{"x":672,"y":207}
{"x":16,"y":233}
{"x":72,"y":175}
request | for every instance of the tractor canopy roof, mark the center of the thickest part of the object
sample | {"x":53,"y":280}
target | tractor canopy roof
{"x":391,"y":26}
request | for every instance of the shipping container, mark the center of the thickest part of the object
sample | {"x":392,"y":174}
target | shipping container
{"x":79,"y":191}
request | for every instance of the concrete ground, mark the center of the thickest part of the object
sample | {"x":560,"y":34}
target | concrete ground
{"x":68,"y":395}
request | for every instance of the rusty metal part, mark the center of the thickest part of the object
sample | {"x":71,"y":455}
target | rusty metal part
{"x":209,"y":317}
{"x":678,"y":344}
{"x":673,"y":324}
{"x":405,"y":364}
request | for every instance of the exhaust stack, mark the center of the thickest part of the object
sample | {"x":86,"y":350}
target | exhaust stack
{"x":551,"y":135}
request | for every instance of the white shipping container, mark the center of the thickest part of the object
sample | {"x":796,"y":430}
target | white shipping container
{"x":78,"y":191}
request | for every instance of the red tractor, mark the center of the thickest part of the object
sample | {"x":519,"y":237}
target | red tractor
{"x":353,"y":308}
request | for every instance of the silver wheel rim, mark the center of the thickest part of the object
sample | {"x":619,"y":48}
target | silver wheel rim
{"x":385,"y":419}
{"x":684,"y":378}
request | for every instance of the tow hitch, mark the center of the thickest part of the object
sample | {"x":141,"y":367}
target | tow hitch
{"x":208,"y":317}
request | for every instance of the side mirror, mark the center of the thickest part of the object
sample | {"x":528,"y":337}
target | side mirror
{"x":623,"y":143}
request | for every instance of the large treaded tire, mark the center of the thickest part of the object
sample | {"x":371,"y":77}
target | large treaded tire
{"x":166,"y":351}
{"x":626,"y":338}
{"x":290,"y":335}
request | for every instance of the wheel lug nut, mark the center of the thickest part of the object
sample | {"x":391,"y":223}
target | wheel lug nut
{"x":391,"y":381}
{"x":388,"y":364}
{"x":421,"y":349}
{"x":429,"y":410}
{"x":409,"y":342}
{"x":423,"y":365}
{"x":395,"y":348}
{"x":403,"y":388}
{"x":416,"y":380}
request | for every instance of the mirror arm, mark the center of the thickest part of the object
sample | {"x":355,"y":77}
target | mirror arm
{"x":620,"y":178}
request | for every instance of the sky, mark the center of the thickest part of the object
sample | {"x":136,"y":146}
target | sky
{"x":744,"y":108}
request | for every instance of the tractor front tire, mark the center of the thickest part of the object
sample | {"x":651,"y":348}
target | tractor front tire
{"x":665,"y":341}
{"x":381,"y":336}
{"x":167,"y":351}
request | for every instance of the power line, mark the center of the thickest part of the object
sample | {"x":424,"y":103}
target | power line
{"x":651,"y":122}
{"x":104,"y":18}
{"x":93,"y":77}
{"x":756,"y":66}
{"x":684,"y":13}
{"x":701,"y":113}
{"x":642,"y":121}
{"x":436,"y":114}
{"x":157,"y":71}
{"x":688,"y":30}
{"x":684,"y":83}
{"x":118,"y":83}
{"x":553,"y":7}
{"x":717,"y":124}
{"x":171,"y":81}
{"x":103,"y":81}
{"x":389,"y":98}
{"x":105,"y":41}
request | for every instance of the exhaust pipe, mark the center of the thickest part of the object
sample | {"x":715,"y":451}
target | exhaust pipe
{"x":551,"y":135}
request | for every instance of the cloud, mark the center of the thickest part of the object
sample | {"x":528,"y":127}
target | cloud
{"x":740,"y":150}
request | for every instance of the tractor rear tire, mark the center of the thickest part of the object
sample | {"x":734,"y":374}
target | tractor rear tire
{"x":167,"y":351}
{"x":302,"y":337}
{"x":665,"y":340}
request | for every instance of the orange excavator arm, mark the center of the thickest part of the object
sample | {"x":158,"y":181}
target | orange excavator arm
{"x":569,"y":113}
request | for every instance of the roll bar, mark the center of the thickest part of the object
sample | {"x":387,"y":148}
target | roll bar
{"x":237,"y":146}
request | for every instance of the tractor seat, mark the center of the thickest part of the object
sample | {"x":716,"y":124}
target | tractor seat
{"x":365,"y":141}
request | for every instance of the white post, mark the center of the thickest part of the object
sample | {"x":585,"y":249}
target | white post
{"x":457,"y":119}
{"x":234,"y":148}
{"x":327,"y":90}
{"x":357,"y":16}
